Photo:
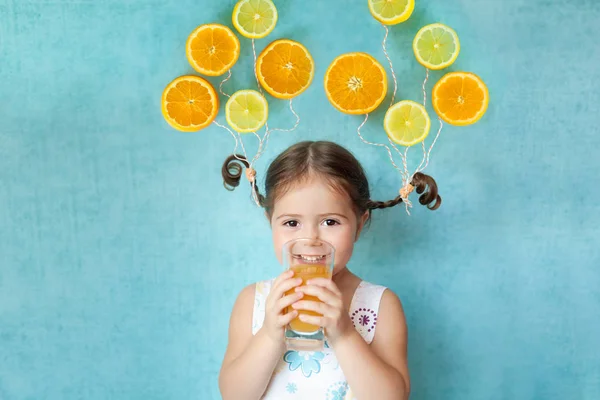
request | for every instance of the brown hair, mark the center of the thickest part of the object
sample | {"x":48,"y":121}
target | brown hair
{"x":330,"y":161}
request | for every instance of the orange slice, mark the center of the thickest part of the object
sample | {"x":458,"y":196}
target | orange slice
{"x":190,"y":103}
{"x":212,"y":49}
{"x":285,"y":69}
{"x":355,"y":83}
{"x":460,"y":98}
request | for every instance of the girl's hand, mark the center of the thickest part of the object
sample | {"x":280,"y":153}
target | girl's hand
{"x":334,"y":318}
{"x":277,"y":302}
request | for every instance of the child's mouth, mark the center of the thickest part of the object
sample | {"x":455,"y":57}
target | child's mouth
{"x":310,"y":259}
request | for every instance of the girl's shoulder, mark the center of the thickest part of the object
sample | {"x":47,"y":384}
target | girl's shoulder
{"x":257,"y":289}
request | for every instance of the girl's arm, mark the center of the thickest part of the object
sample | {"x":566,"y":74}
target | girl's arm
{"x":379,"y":371}
{"x":249,"y":360}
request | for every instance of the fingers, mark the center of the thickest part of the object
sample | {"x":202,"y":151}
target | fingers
{"x":286,"y":275}
{"x":287,"y":301}
{"x":278,"y":291}
{"x":313,"y":320}
{"x":285,"y":319}
{"x":316,"y":306}
{"x":323,"y":294}
{"x":327,"y":284}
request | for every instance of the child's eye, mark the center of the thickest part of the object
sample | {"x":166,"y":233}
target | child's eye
{"x":291,"y":224}
{"x":331,"y":222}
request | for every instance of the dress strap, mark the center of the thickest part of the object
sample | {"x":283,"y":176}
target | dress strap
{"x":364,"y":309}
{"x":261,"y":292}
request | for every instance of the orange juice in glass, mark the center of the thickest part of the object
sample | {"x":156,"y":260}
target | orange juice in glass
{"x":309,"y":259}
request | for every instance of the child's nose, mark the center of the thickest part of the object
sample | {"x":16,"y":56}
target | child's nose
{"x":312,"y":232}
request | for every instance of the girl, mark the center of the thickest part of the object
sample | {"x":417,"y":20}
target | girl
{"x":318,"y":190}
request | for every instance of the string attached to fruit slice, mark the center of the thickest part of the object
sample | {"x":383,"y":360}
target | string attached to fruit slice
{"x":282,"y":61}
{"x":388,"y":13}
{"x":355,"y":83}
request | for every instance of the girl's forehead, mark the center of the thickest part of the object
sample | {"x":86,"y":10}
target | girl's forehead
{"x":313,"y":195}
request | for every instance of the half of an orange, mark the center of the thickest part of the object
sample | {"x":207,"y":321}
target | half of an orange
{"x":285,"y":69}
{"x":355,"y":83}
{"x":190,"y":103}
{"x":212,"y":49}
{"x":460,"y":98}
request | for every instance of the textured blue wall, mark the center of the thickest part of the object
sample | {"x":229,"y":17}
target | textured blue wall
{"x":121,"y":253}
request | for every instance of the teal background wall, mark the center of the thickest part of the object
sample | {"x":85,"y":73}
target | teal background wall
{"x":121,"y":253}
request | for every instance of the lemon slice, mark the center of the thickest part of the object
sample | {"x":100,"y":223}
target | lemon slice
{"x":254,"y":19}
{"x":436,"y":46}
{"x":391,"y":12}
{"x":407,"y":123}
{"x":246,"y":111}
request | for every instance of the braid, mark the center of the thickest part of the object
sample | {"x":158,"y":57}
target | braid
{"x":232,"y":173}
{"x":376,"y":205}
{"x":427,"y":188}
{"x":425,"y":185}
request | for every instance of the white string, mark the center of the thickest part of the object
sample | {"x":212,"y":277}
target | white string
{"x":242,"y":146}
{"x":222,"y":82}
{"x":376,"y":144}
{"x":265,"y":139}
{"x":404,"y":171}
{"x":259,"y":151}
{"x":406,"y":201}
{"x":424,"y":89}
{"x":427,"y":153}
{"x":431,"y":147}
{"x":424,"y":105}
{"x":383,"y":45}
{"x":405,"y":164}
{"x":255,"y":73}
{"x":253,"y":181}
{"x":404,"y":174}
{"x":268,"y":131}
{"x":240,"y":142}
{"x":405,"y":177}
{"x":234,"y":138}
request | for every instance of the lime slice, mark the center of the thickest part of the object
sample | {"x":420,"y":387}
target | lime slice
{"x":407,"y":123}
{"x":246,"y":111}
{"x":254,"y":19}
{"x":391,"y":12}
{"x":436,"y":46}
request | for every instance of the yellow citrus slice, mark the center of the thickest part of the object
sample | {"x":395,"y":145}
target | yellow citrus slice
{"x":254,"y":19}
{"x":285,"y":69}
{"x":407,"y":123}
{"x":212,"y":49}
{"x":246,"y":111}
{"x":355,"y":83}
{"x":391,"y":12}
{"x":436,"y":46}
{"x":460,"y":98}
{"x":190,"y":103}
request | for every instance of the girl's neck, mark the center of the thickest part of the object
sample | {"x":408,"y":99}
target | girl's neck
{"x":347,"y":282}
{"x":345,"y":278}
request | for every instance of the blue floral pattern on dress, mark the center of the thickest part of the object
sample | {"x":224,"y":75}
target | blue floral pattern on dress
{"x":337,"y":391}
{"x":291,"y":388}
{"x":308,"y":361}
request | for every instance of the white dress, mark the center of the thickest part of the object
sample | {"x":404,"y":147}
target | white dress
{"x":316,"y":375}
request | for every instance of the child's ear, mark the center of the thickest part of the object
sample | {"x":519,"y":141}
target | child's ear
{"x":361,"y":223}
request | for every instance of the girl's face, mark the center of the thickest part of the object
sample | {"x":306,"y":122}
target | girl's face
{"x":313,"y":209}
